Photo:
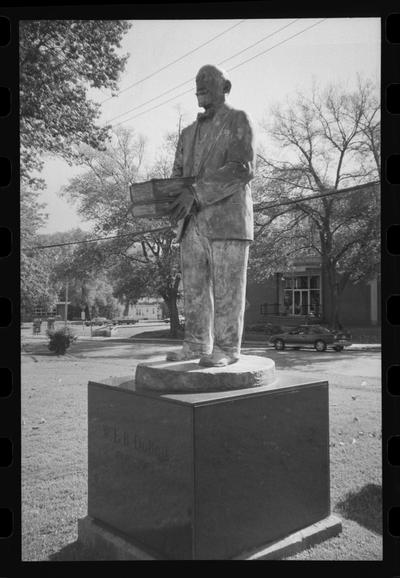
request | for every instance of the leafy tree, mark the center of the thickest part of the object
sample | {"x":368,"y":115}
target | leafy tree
{"x":102,"y":194}
{"x":327,"y":142}
{"x":59,"y":61}
{"x":164,"y":159}
{"x":36,"y":286}
{"x":130,"y":282}
{"x":81,"y":267}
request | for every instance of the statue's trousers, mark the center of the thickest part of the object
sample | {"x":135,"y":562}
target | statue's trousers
{"x":214,"y":283}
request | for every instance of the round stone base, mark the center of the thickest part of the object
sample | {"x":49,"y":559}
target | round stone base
{"x":189,"y":376}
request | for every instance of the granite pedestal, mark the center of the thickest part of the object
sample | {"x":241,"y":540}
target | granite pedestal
{"x":209,"y":475}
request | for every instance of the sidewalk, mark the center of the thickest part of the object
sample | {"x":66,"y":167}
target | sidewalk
{"x":25,"y":339}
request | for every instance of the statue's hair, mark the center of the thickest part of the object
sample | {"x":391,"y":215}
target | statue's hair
{"x":217,"y":72}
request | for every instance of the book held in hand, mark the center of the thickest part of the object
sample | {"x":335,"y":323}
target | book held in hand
{"x":152,"y":198}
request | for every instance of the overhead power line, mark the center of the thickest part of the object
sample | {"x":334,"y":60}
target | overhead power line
{"x":175,"y":61}
{"x":166,"y":228}
{"x":259,"y":41}
{"x":259,"y":206}
{"x":156,"y":106}
{"x":278,"y":44}
{"x":192,"y":79}
{"x":135,"y":234}
{"x":228,"y":70}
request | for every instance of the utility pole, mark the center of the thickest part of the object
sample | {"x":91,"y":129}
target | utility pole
{"x":179,"y":125}
{"x":66,"y":303}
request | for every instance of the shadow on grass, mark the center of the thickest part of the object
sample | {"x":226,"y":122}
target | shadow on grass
{"x":364,"y":507}
{"x":302,"y":358}
{"x":83,"y":349}
{"x":161,"y":334}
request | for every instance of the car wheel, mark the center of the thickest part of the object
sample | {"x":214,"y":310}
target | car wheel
{"x":279,"y":344}
{"x":320,"y":345}
{"x":338,"y":347}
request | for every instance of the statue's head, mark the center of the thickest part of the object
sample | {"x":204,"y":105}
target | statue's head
{"x":212,"y":85}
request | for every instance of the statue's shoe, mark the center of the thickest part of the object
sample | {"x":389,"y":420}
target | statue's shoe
{"x":182,"y":355}
{"x":217,"y":359}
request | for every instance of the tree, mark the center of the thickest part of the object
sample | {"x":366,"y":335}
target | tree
{"x":79,"y":266}
{"x":102,"y":194}
{"x":164,"y":160}
{"x":59,"y":61}
{"x":36,"y":286}
{"x":130,"y":281}
{"x":329,"y":142}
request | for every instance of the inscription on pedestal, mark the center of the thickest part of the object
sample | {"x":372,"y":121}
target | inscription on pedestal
{"x":124,"y":438}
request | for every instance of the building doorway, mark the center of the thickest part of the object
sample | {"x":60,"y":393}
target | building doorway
{"x":302,"y":295}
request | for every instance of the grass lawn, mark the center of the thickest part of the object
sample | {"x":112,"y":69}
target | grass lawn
{"x":54,"y":443}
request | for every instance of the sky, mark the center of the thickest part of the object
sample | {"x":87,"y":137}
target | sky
{"x":278,"y":57}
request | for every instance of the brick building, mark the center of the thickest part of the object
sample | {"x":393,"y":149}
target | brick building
{"x":290,"y":297}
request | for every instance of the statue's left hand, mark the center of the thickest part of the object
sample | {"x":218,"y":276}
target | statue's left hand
{"x":182,"y":205}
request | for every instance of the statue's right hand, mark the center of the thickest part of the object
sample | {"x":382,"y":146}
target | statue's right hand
{"x":182,"y":205}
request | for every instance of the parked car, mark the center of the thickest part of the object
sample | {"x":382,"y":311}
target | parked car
{"x":97,"y":321}
{"x":315,"y":336}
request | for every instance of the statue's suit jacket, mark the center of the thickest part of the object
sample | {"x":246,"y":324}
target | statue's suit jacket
{"x":225,"y":208}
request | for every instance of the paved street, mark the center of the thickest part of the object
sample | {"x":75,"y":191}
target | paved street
{"x":121,"y":332}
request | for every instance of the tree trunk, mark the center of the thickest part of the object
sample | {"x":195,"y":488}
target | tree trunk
{"x":332,"y":296}
{"x":170,"y":297}
{"x":330,"y":288}
{"x":335,"y":321}
{"x":173,"y":315}
{"x":126,"y":308}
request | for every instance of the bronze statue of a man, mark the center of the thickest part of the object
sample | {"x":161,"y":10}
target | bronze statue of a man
{"x":215,"y":223}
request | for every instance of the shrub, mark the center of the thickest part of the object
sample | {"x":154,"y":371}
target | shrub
{"x":60,"y":339}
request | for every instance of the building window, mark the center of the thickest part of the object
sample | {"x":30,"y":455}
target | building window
{"x":302,"y":295}
{"x":301,"y":282}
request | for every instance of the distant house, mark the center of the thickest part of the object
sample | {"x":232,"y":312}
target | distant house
{"x":147,"y":308}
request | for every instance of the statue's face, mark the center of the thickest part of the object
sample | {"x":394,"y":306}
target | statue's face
{"x":209,"y":88}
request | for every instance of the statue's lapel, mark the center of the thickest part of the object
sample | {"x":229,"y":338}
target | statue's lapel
{"x":217,"y":127}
